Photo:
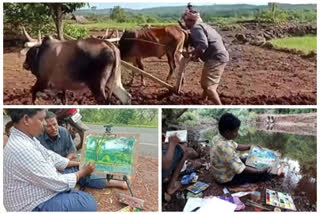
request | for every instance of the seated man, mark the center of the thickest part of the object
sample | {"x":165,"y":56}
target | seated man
{"x":227,"y":166}
{"x":31,"y":180}
{"x":59,"y":140}
{"x":173,"y":158}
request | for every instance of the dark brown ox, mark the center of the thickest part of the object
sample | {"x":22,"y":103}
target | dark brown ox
{"x":153,"y":42}
{"x":77,"y":64}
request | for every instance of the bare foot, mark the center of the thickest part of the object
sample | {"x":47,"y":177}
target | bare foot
{"x":167,"y":197}
{"x":172,"y":189}
{"x":117,"y":184}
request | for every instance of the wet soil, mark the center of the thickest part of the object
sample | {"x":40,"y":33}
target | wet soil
{"x":303,"y":194}
{"x":254,"y":76}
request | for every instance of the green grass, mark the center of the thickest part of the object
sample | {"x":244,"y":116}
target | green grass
{"x":305,"y":43}
{"x":125,"y":125}
{"x":116,"y":25}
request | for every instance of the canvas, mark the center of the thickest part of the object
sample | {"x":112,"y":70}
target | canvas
{"x":111,"y":154}
{"x":182,"y":134}
{"x":261,"y":158}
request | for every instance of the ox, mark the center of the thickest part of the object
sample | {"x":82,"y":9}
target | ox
{"x":153,"y":42}
{"x":74,"y":65}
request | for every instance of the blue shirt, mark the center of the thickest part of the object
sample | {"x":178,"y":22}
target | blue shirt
{"x":63,"y":145}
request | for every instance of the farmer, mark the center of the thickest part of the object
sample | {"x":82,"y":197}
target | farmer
{"x":173,"y":157}
{"x":31,"y":180}
{"x":58,"y":139}
{"x":210,"y":48}
{"x":227,"y":166}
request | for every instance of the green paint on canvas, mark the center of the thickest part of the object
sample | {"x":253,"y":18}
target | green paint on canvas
{"x":111,"y":155}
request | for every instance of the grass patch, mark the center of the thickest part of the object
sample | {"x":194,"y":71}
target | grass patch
{"x":116,"y":25}
{"x":124,"y":125}
{"x":305,"y":43}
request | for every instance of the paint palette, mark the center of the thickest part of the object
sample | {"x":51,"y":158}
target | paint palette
{"x":279,"y":199}
{"x":198,"y":187}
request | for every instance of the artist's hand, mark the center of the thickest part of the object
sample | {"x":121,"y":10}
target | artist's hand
{"x":174,"y":140}
{"x":88,"y":168}
{"x":257,"y":145}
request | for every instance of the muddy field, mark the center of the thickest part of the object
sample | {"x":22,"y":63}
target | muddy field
{"x":302,"y":193}
{"x":254,"y":76}
{"x":144,"y":186}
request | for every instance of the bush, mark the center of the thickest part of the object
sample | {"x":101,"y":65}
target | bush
{"x":76,"y":31}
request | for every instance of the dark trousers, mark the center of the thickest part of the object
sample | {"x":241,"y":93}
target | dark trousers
{"x":248,"y":177}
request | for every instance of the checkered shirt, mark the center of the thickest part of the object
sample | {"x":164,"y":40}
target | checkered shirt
{"x":30,"y":174}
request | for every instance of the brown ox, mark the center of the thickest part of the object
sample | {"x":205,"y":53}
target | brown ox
{"x":74,"y":65}
{"x":153,"y":42}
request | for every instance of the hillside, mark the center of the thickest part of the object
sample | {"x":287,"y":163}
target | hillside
{"x":218,"y":9}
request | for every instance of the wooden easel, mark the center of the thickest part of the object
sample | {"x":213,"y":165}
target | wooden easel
{"x":119,"y":178}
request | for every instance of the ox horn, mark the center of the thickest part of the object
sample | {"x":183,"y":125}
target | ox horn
{"x":25,"y":33}
{"x":39,"y":36}
{"x":108,"y":36}
{"x":32,"y":42}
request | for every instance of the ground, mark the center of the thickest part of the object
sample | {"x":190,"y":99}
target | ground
{"x":254,"y":76}
{"x":177,"y":202}
{"x":144,"y":186}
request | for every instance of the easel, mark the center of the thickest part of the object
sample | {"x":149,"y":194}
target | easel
{"x":118,"y":178}
{"x":114,"y":177}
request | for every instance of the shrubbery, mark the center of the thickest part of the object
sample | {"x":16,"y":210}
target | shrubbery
{"x":77,"y":32}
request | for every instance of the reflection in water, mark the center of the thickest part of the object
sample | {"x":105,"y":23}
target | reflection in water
{"x":299,"y":156}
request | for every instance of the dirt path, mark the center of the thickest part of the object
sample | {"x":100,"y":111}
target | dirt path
{"x":144,"y":186}
{"x":254,"y":76}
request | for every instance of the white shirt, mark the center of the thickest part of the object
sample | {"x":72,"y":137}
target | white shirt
{"x":30,"y":174}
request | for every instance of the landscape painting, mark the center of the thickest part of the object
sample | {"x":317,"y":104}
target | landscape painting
{"x":262,"y":157}
{"x":112,"y":155}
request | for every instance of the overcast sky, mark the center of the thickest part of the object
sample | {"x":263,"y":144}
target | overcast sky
{"x":149,"y":4}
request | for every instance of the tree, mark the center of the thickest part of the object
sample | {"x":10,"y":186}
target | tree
{"x":38,"y":15}
{"x":33,"y":16}
{"x":58,"y":11}
{"x":118,"y":14}
{"x":170,"y":116}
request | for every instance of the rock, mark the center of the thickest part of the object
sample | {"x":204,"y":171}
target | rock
{"x":241,"y":38}
{"x":268,"y":45}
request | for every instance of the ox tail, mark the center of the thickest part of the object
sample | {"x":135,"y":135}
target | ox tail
{"x":114,"y":80}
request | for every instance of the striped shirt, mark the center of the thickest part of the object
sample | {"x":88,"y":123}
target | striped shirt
{"x":30,"y":174}
{"x":63,"y":144}
{"x":225,"y":161}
